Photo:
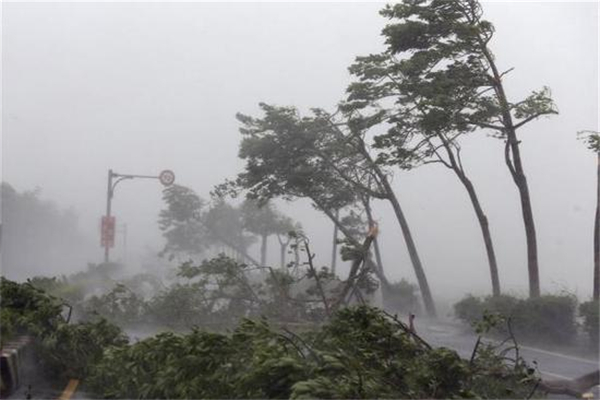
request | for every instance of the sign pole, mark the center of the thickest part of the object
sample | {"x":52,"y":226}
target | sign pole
{"x":108,"y":210}
{"x":166,"y":178}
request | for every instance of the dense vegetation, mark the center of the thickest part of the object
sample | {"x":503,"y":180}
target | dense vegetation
{"x":361,"y":352}
{"x":228,"y":324}
{"x":65,"y":350}
{"x":30,"y":222}
{"x":590,"y":311}
{"x":549,"y":319}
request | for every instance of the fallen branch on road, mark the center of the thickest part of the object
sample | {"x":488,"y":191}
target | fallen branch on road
{"x":571,"y":387}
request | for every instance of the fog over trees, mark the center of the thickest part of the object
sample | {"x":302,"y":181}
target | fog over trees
{"x":126,"y":88}
{"x":314,"y":200}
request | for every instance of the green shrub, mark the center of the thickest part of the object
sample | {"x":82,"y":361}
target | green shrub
{"x":402,"y":297}
{"x":71,"y":350}
{"x":64,"y":350}
{"x":120,"y":306}
{"x":469,"y":309}
{"x":26,"y":309}
{"x":548,"y":319}
{"x":360,"y":353}
{"x":589,"y":311}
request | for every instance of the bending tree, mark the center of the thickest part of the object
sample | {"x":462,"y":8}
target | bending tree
{"x":440,"y":48}
{"x":417,"y":136}
{"x":593,"y":143}
{"x":181,"y":223}
{"x":190,"y":228}
{"x":264,"y":220}
{"x":288,"y":156}
{"x":347,"y":155}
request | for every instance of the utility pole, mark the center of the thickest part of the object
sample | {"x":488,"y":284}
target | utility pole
{"x":166,"y":178}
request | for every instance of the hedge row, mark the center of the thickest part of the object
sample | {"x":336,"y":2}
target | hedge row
{"x":549,"y":319}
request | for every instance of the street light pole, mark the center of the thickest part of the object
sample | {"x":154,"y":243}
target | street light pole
{"x":166,"y":177}
{"x":108,"y":209}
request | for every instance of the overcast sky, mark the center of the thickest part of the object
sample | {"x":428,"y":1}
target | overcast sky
{"x":140,"y":87}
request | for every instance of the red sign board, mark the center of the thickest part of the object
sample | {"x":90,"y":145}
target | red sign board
{"x":107,"y":231}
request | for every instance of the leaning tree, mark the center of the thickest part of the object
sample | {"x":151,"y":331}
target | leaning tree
{"x":311,"y":157}
{"x":417,"y":133}
{"x":441,"y":50}
{"x":592,"y":140}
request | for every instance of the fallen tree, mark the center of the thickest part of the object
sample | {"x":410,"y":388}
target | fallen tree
{"x":571,"y":387}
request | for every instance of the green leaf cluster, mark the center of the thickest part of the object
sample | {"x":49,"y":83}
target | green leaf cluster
{"x":360,"y":353}
{"x":550,"y":318}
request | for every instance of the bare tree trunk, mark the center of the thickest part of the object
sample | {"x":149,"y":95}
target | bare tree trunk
{"x":282,"y":247}
{"x":371,"y":222}
{"x":532,"y":253}
{"x":389,"y":195}
{"x":408,"y":239}
{"x":263,"y":251}
{"x":412,"y":250}
{"x":573,"y":387}
{"x":282,"y":255}
{"x":485,"y":231}
{"x":515,"y":167}
{"x":597,"y":240}
{"x":385,"y":283}
{"x":335,"y":243}
{"x":353,"y":240}
{"x":455,"y":164}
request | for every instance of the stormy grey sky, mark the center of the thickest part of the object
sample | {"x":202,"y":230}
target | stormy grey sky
{"x":139,"y":87}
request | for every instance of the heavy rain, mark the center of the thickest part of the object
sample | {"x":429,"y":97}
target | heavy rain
{"x":300,"y":200}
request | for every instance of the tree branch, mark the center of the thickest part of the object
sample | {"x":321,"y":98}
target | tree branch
{"x":532,"y":117}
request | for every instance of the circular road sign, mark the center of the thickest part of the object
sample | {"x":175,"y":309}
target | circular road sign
{"x":166,"y":177}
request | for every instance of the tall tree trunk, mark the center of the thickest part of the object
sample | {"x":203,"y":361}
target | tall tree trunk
{"x":379,"y":264}
{"x":597,"y":240}
{"x":385,"y":284}
{"x":335,"y":243}
{"x":414,"y":257}
{"x":485,"y":231}
{"x":528,"y":221}
{"x":515,"y":167}
{"x":456,"y":165}
{"x":352,"y":239}
{"x":408,"y":239}
{"x":371,"y":222}
{"x":410,"y":244}
{"x":282,"y":254}
{"x":263,"y":251}
{"x":412,"y":249}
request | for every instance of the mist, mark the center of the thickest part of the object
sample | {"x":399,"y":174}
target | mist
{"x":142,"y":87}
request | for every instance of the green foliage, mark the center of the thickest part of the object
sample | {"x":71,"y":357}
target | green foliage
{"x":469,"y":309}
{"x":120,"y":306}
{"x":402,"y":297}
{"x":70,"y":351}
{"x":591,"y":322}
{"x":591,"y":140}
{"x":61,"y":287}
{"x":26,"y":309}
{"x":290,"y":156}
{"x":435,"y":81}
{"x":65,"y":350}
{"x":263,"y":219}
{"x":181,"y":222}
{"x":360,"y":353}
{"x":548,"y":319}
